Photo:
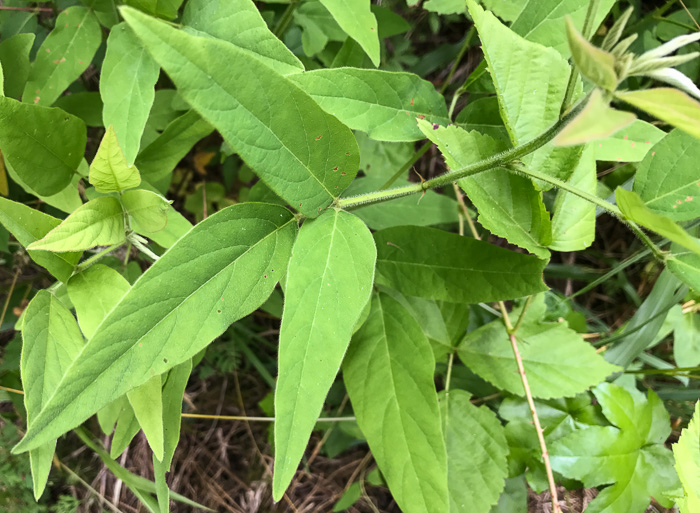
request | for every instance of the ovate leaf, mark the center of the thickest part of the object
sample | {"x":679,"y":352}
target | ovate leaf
{"x":148,"y":210}
{"x":358,"y":21}
{"x":50,"y":341}
{"x":595,"y":64}
{"x":329,"y":282}
{"x":630,"y":144}
{"x":686,"y":266}
{"x":687,"y":454}
{"x":65,"y":53}
{"x":14,"y":57}
{"x":127,"y":82}
{"x":388,"y":373}
{"x":44,"y":146}
{"x":669,"y":105}
{"x":434,"y":264}
{"x":305,"y":155}
{"x":110,"y":171}
{"x":99,"y":222}
{"x":162,"y":8}
{"x":220,"y":271}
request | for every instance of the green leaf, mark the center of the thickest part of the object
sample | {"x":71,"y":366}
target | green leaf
{"x":318,"y":27}
{"x":508,"y":204}
{"x":105,"y":11}
{"x":44,"y":146}
{"x":430,"y":263}
{"x":630,"y":144}
{"x":686,"y":266}
{"x":381,"y":103}
{"x":686,"y":340}
{"x":85,"y":105}
{"x":329,"y":282}
{"x":147,"y":403}
{"x":349,"y":497}
{"x":596,"y":121}
{"x":126,"y":430}
{"x":388,"y":373}
{"x":50,"y":342}
{"x":669,"y":105}
{"x":687,"y":454}
{"x":445,"y":6}
{"x":631,"y":455}
{"x":14,"y":58}
{"x":63,"y":56}
{"x":595,"y":64}
{"x":223,"y":19}
{"x":305,"y":155}
{"x":66,"y":200}
{"x":94,"y":292}
{"x":148,"y":210}
{"x":573,"y":222}
{"x":161,"y":8}
{"x":27,"y":226}
{"x":483,"y":116}
{"x":667,"y":180}
{"x":476,"y":453}
{"x":514,"y":497}
{"x":634,"y":209}
{"x":558,"y":362}
{"x":127,"y":82}
{"x":211,"y":277}
{"x":110,"y":171}
{"x":358,"y":21}
{"x":99,"y":222}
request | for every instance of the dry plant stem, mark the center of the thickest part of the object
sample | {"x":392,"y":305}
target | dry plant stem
{"x":9,"y":296}
{"x":27,"y":9}
{"x":103,"y":500}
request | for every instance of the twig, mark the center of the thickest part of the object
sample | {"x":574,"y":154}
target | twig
{"x":9,"y":296}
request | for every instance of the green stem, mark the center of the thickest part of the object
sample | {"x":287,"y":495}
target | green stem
{"x":285,"y":19}
{"x":450,"y":362}
{"x":462,"y":51}
{"x":520,"y":320}
{"x":588,"y":27}
{"x":418,"y":154}
{"x":87,"y":263}
{"x":587,"y":33}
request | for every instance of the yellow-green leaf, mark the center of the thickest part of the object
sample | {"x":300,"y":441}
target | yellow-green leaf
{"x":148,"y":210}
{"x":109,"y":171}
{"x":669,"y":105}
{"x":595,"y":64}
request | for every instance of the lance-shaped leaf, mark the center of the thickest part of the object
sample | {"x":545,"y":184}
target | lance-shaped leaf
{"x":381,"y":103}
{"x":50,"y":341}
{"x":109,"y":171}
{"x":99,"y":222}
{"x":669,"y":105}
{"x":388,"y":373}
{"x":329,"y":282}
{"x":595,"y":64}
{"x":220,"y":271}
{"x":636,"y":210}
{"x":14,"y":57}
{"x":630,"y":456}
{"x":668,"y":181}
{"x":147,"y":403}
{"x":28,"y":225}
{"x":239,"y":22}
{"x":687,"y":454}
{"x":148,"y":210}
{"x":65,"y":53}
{"x":434,"y":264}
{"x":557,"y":360}
{"x":304,"y":154}
{"x":44,"y":146}
{"x":476,"y":453}
{"x":127,"y":82}
{"x":358,"y":21}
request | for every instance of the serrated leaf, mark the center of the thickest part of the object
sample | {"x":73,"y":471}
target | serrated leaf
{"x":483,"y":115}
{"x":14,"y":58}
{"x":434,"y":264}
{"x":329,"y":282}
{"x":358,"y":21}
{"x":304,"y":155}
{"x":476,"y":453}
{"x":110,"y":171}
{"x":127,"y":82}
{"x":94,"y":292}
{"x":668,"y":181}
{"x":65,"y":53}
{"x":223,"y":18}
{"x":148,"y":210}
{"x":388,"y":373}
{"x":381,"y":103}
{"x":43,"y":145}
{"x":687,"y":454}
{"x":558,"y":362}
{"x":595,"y":64}
{"x":147,"y":403}
{"x":50,"y":342}
{"x":686,"y":340}
{"x":99,"y":222}
{"x":686,"y":266}
{"x":630,"y":144}
{"x":669,"y":105}
{"x":223,"y":261}
{"x":636,"y":210}
{"x":28,"y":225}
{"x":631,"y":455}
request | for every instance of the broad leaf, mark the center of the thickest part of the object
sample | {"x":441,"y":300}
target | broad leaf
{"x":630,"y":144}
{"x":686,"y":340}
{"x":476,"y":453}
{"x":50,"y":342}
{"x":239,"y":22}
{"x":147,"y":403}
{"x":99,"y":222}
{"x":162,"y":8}
{"x":127,"y":82}
{"x":63,"y":56}
{"x":558,"y":362}
{"x":631,"y":455}
{"x":445,"y":6}
{"x":329,"y":282}
{"x":358,"y":21}
{"x":669,"y":105}
{"x":483,"y":115}
{"x":668,"y":181}
{"x":595,"y":64}
{"x":388,"y":373}
{"x":66,"y":200}
{"x":686,"y":266}
{"x":14,"y":58}
{"x":28,"y":225}
{"x":305,"y":155}
{"x":381,"y":103}
{"x":318,"y":27}
{"x":148,"y":210}
{"x":222,"y":270}
{"x":687,"y":454}
{"x":44,"y":146}
{"x":110,"y":171}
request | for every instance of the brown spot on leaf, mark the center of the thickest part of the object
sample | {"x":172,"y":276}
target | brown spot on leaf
{"x":319,"y":138}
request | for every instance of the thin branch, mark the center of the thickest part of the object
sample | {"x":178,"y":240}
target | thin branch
{"x":9,"y":296}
